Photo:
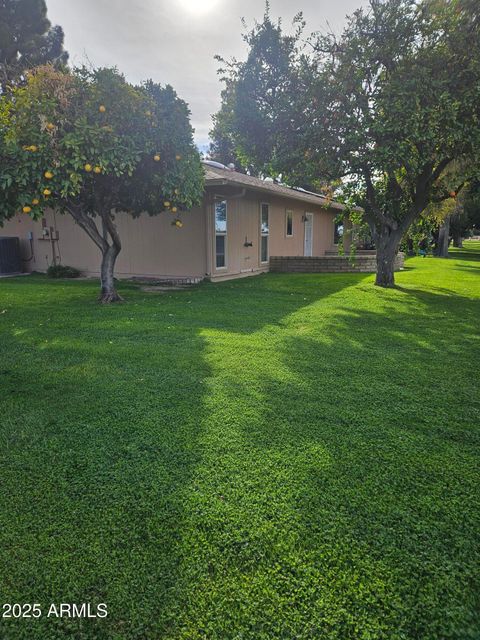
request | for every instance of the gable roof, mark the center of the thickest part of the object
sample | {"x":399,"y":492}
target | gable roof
{"x":215,"y":176}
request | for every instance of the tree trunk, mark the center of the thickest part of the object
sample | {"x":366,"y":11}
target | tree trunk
{"x":110,"y":250}
{"x":443,"y":239}
{"x":386,"y":244}
{"x":458,"y":240}
{"x":108,"y":293}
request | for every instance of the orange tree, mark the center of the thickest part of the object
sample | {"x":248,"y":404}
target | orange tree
{"x":88,"y":144}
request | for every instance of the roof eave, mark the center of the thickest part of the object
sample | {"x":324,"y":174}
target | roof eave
{"x":215,"y":182}
{"x":295,"y":195}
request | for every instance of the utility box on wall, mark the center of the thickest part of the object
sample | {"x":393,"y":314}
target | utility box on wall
{"x":10,"y":260}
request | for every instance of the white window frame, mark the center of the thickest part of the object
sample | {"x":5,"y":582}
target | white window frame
{"x":223,"y":234}
{"x":265,"y":235}
{"x":288,"y":212}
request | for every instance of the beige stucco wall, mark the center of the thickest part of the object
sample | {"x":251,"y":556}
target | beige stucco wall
{"x":322,"y":229}
{"x":151,"y":246}
{"x":243,"y":222}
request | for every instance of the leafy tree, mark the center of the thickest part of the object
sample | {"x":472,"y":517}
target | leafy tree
{"x":446,"y":217}
{"x":27,"y":39}
{"x":440,"y":216}
{"x":222,"y":147}
{"x":91,"y":145}
{"x":450,"y":220}
{"x":441,"y":212}
{"x":388,"y":107}
{"x":256,"y":107}
{"x":469,"y":221}
{"x":419,"y":236}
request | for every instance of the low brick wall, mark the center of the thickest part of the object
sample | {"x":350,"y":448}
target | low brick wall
{"x":329,"y":264}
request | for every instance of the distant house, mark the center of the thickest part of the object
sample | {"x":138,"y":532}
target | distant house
{"x":241,"y":222}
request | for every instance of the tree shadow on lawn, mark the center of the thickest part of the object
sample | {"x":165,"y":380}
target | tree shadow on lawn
{"x":243,"y":306}
{"x":470,"y":255}
{"x":247,"y":305}
{"x":246,"y":470}
{"x":469,"y":268}
{"x":99,"y":443}
{"x":346,"y":500}
{"x":396,"y":513}
{"x":104,"y":411}
{"x":450,"y":300}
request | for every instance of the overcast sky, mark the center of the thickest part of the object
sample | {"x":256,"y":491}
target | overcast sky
{"x":174,"y":41}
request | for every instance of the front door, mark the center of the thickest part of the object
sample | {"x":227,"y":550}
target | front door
{"x":308,"y":241}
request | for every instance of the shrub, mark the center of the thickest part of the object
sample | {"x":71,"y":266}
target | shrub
{"x":62,"y":271}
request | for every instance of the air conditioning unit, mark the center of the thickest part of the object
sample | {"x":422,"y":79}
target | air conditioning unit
{"x":10,"y":260}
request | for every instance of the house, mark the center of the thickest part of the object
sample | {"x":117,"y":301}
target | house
{"x":241,"y":222}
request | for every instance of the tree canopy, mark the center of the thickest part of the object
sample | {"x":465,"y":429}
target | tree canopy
{"x":387,"y":107}
{"x":27,"y":39}
{"x":470,"y":220}
{"x":89,"y":144}
{"x":253,"y":114}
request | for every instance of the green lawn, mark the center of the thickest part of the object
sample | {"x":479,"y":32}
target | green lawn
{"x":279,"y":457}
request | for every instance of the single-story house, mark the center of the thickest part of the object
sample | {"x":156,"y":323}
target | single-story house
{"x":241,"y":222}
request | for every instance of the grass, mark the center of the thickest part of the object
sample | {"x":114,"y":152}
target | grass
{"x":281,"y":457}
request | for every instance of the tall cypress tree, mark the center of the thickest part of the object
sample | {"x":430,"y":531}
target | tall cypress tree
{"x":27,"y":39}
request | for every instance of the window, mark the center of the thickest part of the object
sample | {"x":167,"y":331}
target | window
{"x":337,"y":231}
{"x":264,"y":229}
{"x":220,"y":234}
{"x":289,"y":224}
